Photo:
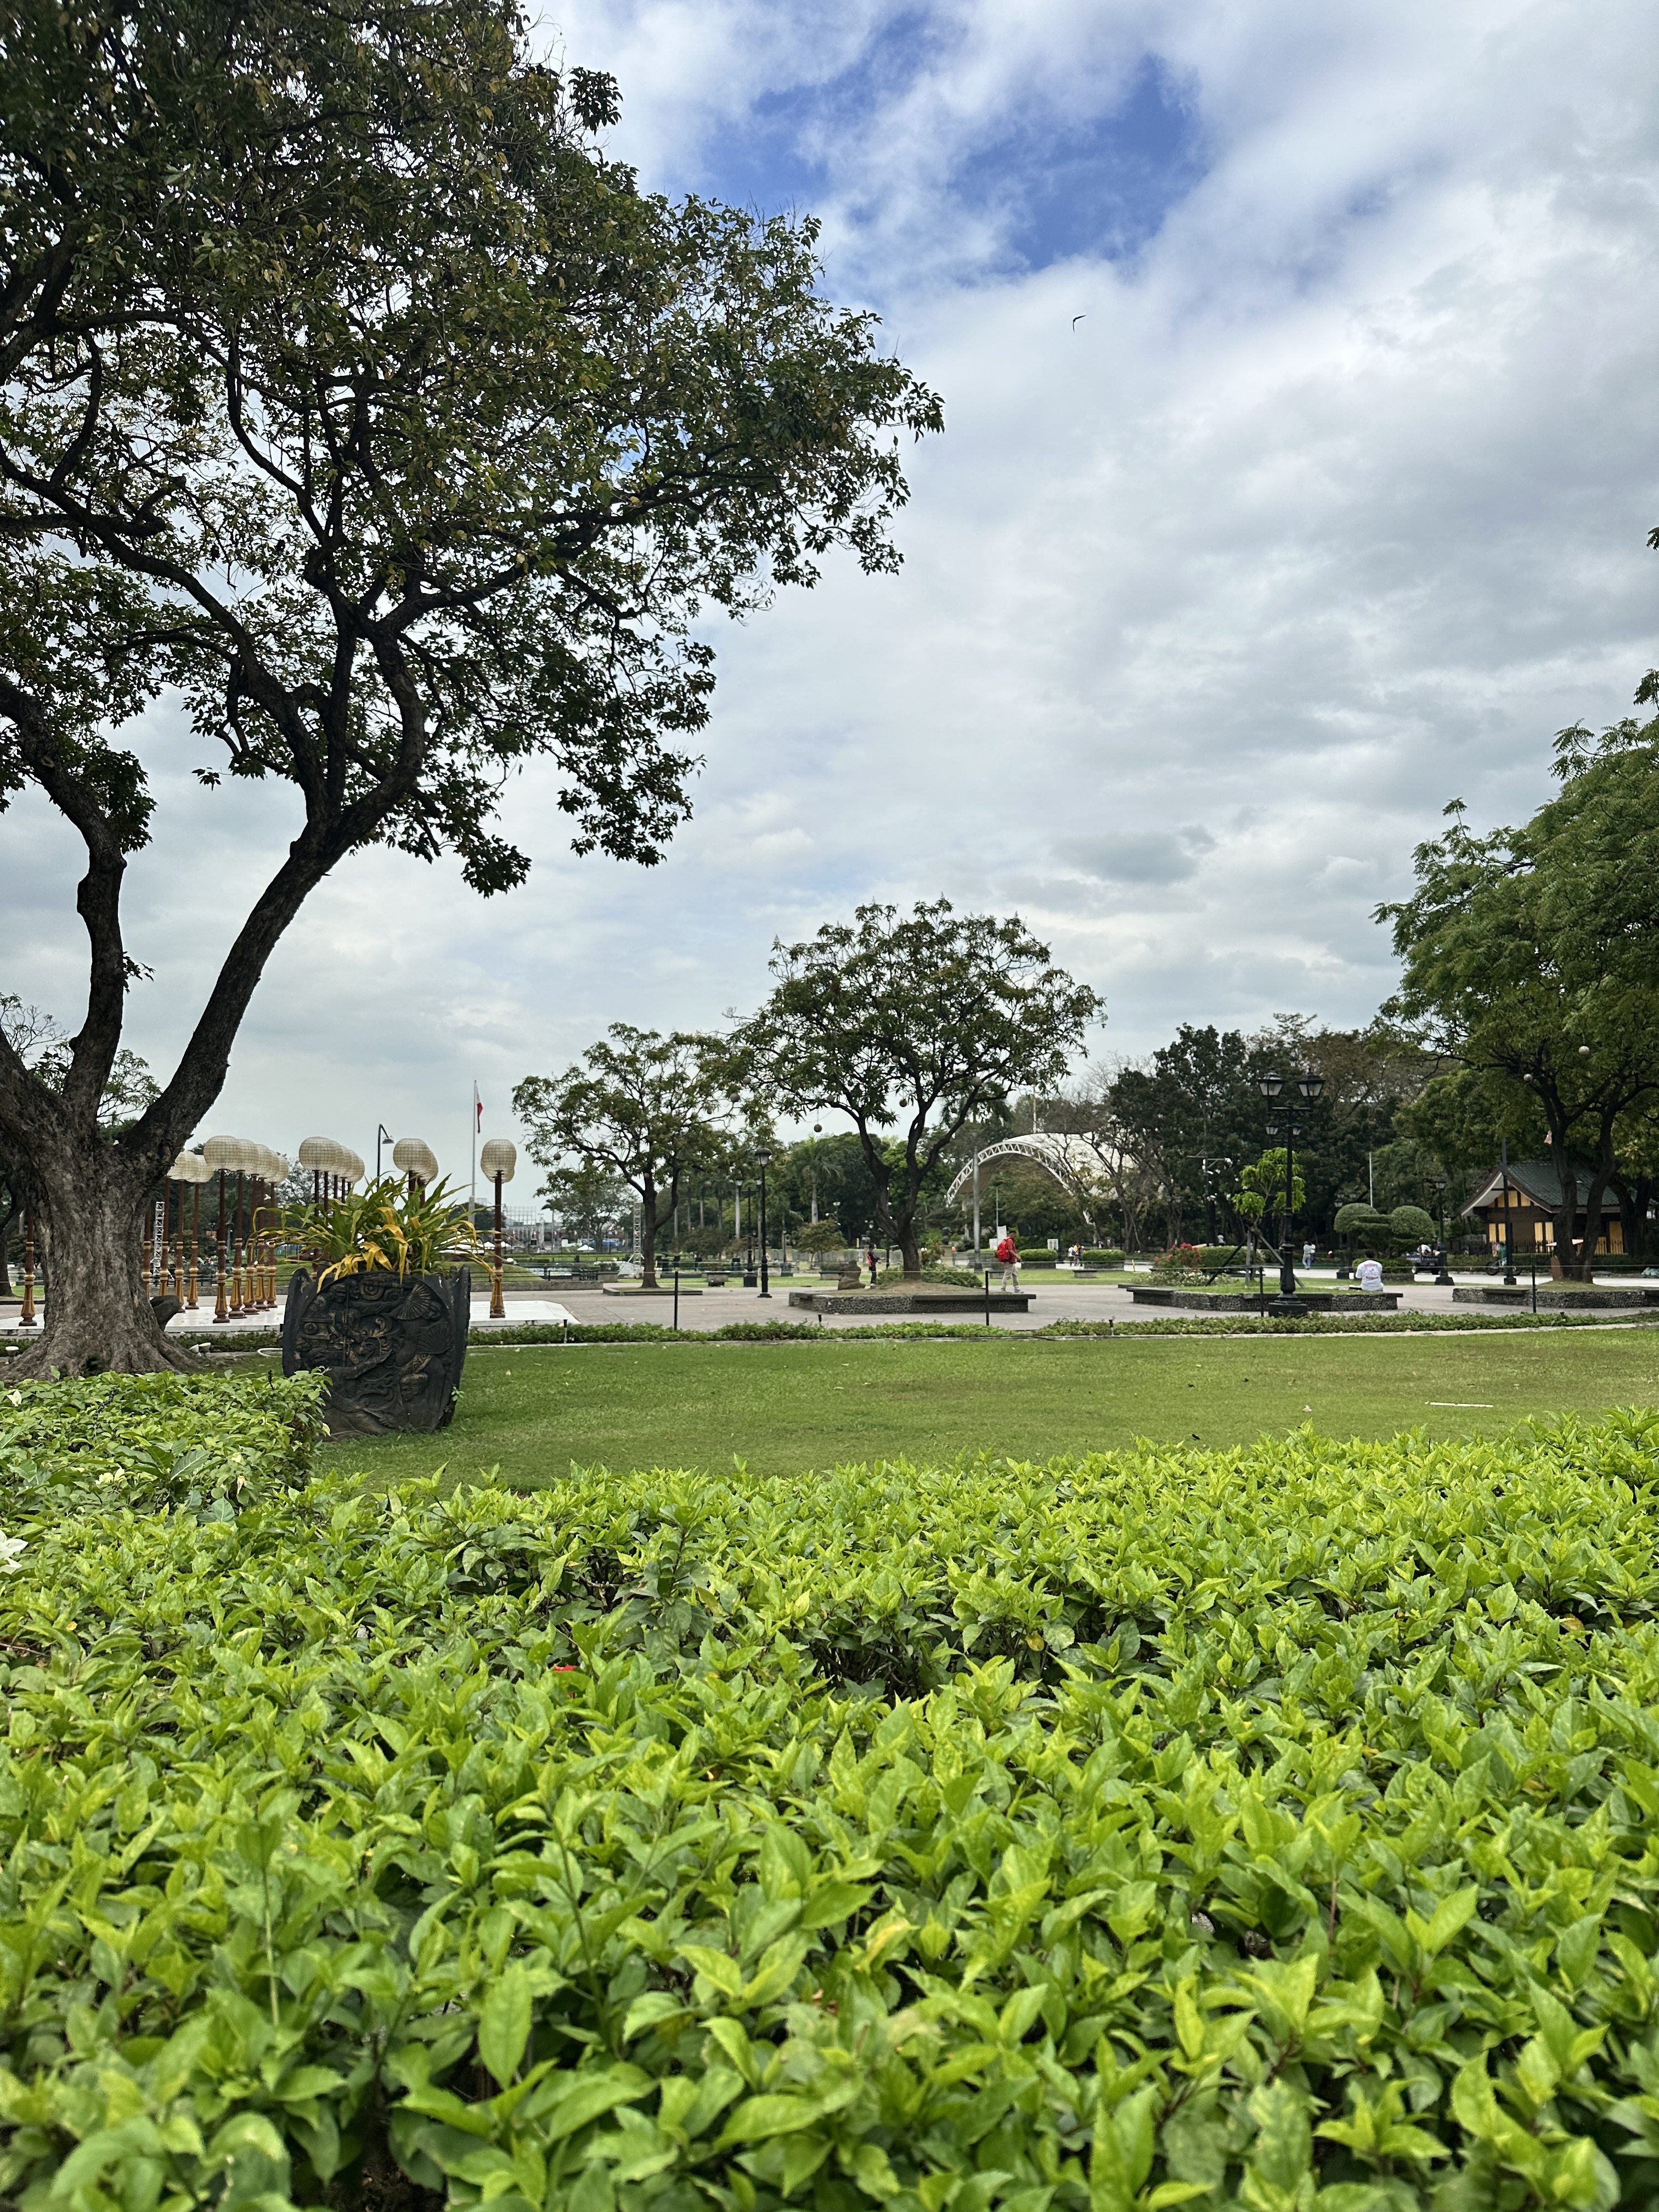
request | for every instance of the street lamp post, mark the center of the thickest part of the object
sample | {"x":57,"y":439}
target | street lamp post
{"x":1438,"y":1184}
{"x":762,"y":1155}
{"x":498,"y":1159}
{"x":1310,"y":1084}
{"x":1509,"y":1234}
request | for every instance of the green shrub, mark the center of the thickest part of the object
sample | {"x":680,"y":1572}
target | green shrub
{"x":1412,"y":1225}
{"x":201,"y":1443}
{"x":1151,"y":1827}
{"x":1108,"y":1256}
{"x":960,"y":1279}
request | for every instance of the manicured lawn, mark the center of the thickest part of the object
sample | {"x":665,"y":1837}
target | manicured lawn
{"x":786,"y":1408}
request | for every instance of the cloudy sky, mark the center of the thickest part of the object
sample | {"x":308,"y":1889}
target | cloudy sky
{"x":1330,"y":508}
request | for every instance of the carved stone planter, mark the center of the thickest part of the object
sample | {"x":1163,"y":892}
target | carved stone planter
{"x":393,"y":1346}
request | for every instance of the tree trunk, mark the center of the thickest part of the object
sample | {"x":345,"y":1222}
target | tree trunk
{"x":1601,"y":1175}
{"x":88,"y":1241}
{"x":1635,"y":1196}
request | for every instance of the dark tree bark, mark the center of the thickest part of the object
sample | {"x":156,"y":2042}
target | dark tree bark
{"x":1635,"y":1196}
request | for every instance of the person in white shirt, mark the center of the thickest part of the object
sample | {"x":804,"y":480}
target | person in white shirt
{"x":1370,"y":1274}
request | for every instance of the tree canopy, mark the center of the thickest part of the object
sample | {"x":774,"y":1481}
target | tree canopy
{"x":642,"y":1109}
{"x":1532,"y":959}
{"x":356,"y":399}
{"x":917,"y":1024}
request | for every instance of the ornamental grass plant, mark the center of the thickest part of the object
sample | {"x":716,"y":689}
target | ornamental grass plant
{"x":1270,"y":1827}
{"x":389,"y":1226}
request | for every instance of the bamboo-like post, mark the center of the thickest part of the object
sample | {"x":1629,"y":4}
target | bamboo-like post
{"x":220,"y":1310}
{"x":192,"y":1283}
{"x":497,"y":1303}
{"x":238,"y":1252}
{"x":177,"y":1241}
{"x":26,"y":1319}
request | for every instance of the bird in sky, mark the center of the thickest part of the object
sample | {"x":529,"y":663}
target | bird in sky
{"x":1076,"y":319}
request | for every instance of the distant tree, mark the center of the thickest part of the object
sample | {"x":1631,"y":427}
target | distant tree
{"x":846,"y":1191}
{"x":817,"y":1237}
{"x":590,"y":1204}
{"x":1196,"y":1107}
{"x":916,"y":1023}
{"x":641,"y":1110}
{"x":1532,"y":959}
{"x":1262,"y":1191}
{"x":355,"y":396}
{"x":1361,"y":1224}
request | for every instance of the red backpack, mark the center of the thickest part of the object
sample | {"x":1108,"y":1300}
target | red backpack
{"x":1006,"y":1252}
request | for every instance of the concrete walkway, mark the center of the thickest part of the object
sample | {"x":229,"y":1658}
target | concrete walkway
{"x":1054,"y":1299}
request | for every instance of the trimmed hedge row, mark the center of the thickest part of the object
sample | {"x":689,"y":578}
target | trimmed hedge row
{"x":1269,"y":1827}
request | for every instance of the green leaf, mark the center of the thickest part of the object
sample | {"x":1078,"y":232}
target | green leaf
{"x":504,"y":2023}
{"x":1451,"y":1915}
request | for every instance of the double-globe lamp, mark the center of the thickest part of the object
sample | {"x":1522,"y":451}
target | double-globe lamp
{"x":1309,"y":1083}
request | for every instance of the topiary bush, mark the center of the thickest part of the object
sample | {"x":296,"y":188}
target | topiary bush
{"x":1412,"y":1225}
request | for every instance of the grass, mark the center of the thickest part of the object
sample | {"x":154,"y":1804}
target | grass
{"x":783,"y":1409}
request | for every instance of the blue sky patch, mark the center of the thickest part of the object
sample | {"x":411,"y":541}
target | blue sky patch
{"x":1101,"y":187}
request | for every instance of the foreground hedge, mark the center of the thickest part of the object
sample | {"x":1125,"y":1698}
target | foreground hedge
{"x":1269,"y":1827}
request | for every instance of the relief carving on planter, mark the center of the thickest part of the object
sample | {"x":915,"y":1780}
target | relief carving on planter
{"x":391,"y":1345}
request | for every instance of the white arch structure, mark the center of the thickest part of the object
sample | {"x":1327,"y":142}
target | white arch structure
{"x":1087,"y":1168}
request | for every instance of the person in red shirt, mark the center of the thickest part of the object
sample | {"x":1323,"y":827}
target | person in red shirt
{"x":1007,"y":1258}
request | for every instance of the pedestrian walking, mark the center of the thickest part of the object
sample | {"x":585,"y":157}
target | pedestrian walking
{"x":1007,"y":1258}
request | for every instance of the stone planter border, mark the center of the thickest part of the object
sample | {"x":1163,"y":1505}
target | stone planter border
{"x":1160,"y":1294}
{"x":967,"y":1303}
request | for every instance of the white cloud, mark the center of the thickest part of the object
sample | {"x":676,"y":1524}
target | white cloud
{"x":1331,"y":508}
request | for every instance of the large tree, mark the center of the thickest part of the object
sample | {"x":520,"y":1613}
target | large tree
{"x":917,"y":1024}
{"x":354,"y":398}
{"x":1532,"y":958}
{"x":640,"y":1109}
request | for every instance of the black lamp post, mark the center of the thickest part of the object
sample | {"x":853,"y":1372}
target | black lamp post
{"x":1508,"y":1235}
{"x":1438,"y":1184}
{"x":1310,"y":1085}
{"x":761,"y":1156}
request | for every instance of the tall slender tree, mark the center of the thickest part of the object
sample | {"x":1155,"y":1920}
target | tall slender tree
{"x":354,"y":397}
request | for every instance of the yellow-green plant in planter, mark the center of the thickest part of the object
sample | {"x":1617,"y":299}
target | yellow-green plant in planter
{"x":386,"y":1225}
